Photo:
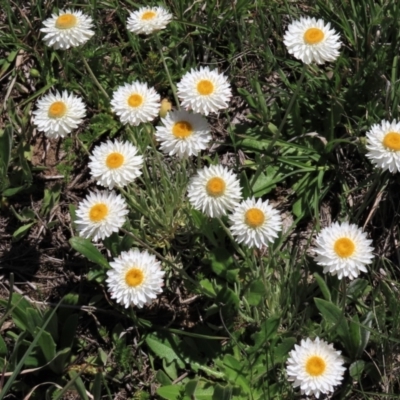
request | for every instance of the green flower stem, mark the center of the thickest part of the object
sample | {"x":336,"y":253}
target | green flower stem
{"x":95,"y":79}
{"x":281,"y":125}
{"x":173,"y":88}
{"x":82,"y":145}
{"x":228,"y":232}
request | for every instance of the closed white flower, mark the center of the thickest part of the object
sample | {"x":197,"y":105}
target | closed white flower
{"x":315,"y":366}
{"x":255,"y":223}
{"x":147,"y":20}
{"x":135,"y":278}
{"x":214,"y":190}
{"x":383,"y":143}
{"x":67,"y":29}
{"x":135,"y":103}
{"x":115,"y":163}
{"x":311,"y":40}
{"x":59,"y":114}
{"x":100,"y":214}
{"x":183,"y":134}
{"x":343,"y":250}
{"x":204,"y":91}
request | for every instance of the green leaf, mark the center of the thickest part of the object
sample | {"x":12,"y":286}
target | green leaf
{"x":162,"y":378}
{"x":22,"y":231}
{"x":236,"y":372}
{"x":47,"y":345}
{"x":85,"y":247}
{"x":355,"y":337}
{"x":6,"y":138}
{"x":162,"y":347}
{"x":356,"y":369}
{"x":227,"y":297}
{"x":60,"y":361}
{"x":3,"y":347}
{"x":256,"y":293}
{"x":222,"y":262}
{"x":282,"y":350}
{"x":334,"y":316}
{"x":172,"y":392}
{"x":265,"y":183}
{"x":79,"y":385}
{"x":267,"y":331}
{"x":323,"y":287}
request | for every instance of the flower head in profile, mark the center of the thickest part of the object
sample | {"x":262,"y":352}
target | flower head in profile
{"x":183,"y":134}
{"x":315,"y":366}
{"x":204,"y":91}
{"x":135,"y":103}
{"x":135,"y":278}
{"x":67,"y":29}
{"x":115,"y":163}
{"x":311,"y":40}
{"x":59,"y":114}
{"x":383,"y":143}
{"x":255,"y":223}
{"x":214,"y":190}
{"x":147,"y":20}
{"x":100,"y":214}
{"x":343,"y":250}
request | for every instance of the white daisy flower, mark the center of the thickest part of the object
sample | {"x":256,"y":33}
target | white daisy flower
{"x":383,"y":143}
{"x":100,"y":214}
{"x":59,"y":114}
{"x":315,"y":366}
{"x":214,"y":190}
{"x":183,"y":134}
{"x":343,"y":250}
{"x":255,"y":223}
{"x":115,"y":163}
{"x":147,"y":20}
{"x":135,"y":278}
{"x":135,"y":103}
{"x":311,"y":40}
{"x":204,"y":91}
{"x":67,"y":29}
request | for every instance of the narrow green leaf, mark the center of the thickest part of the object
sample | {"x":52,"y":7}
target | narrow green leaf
{"x":22,"y":231}
{"x":323,"y":286}
{"x":47,"y":345}
{"x":85,"y":247}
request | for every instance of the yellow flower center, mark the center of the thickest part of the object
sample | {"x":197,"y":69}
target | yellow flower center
{"x":134,"y":277}
{"x":57,"y":110}
{"x":315,"y":366}
{"x":215,"y":187}
{"x":205,"y":87}
{"x":114,"y":160}
{"x":254,"y":217}
{"x":66,"y":21}
{"x":313,"y":36}
{"x":98,"y":212}
{"x":392,"y":141}
{"x":148,"y":15}
{"x":135,"y":100}
{"x":344,"y":247}
{"x":182,"y":129}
